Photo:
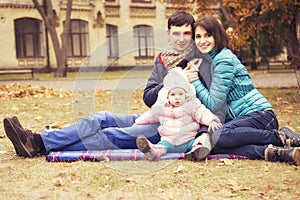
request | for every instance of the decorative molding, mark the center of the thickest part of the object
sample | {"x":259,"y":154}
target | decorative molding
{"x":29,"y":62}
{"x":112,"y":11}
{"x":77,"y":62}
{"x":75,"y":8}
{"x":142,"y":12}
{"x":84,"y":6}
{"x":99,"y":21}
{"x":172,"y":9}
{"x":17,"y":5}
{"x":143,"y":60}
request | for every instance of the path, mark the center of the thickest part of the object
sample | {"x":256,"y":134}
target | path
{"x":260,"y":80}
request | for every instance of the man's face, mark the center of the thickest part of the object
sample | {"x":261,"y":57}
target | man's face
{"x":180,"y":37}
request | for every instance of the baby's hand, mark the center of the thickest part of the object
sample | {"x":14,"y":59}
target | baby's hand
{"x":213,"y":126}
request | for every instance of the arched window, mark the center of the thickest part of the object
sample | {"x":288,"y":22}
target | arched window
{"x":143,"y":40}
{"x":29,"y":38}
{"x":112,"y":41}
{"x":78,"y":41}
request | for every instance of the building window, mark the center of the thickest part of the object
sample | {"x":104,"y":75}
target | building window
{"x":78,"y":41}
{"x":29,"y":38}
{"x":143,"y":40}
{"x":112,"y":41}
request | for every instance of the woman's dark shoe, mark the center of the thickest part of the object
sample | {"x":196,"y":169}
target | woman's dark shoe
{"x":289,"y":155}
{"x":22,"y":139}
{"x":289,"y":137}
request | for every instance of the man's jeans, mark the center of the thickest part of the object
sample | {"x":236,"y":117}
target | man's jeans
{"x":100,"y":131}
{"x":247,"y":135}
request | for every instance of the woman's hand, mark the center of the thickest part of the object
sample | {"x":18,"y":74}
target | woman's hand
{"x":192,"y":70}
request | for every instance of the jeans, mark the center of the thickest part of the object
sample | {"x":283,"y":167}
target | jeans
{"x":100,"y":131}
{"x":247,"y":135}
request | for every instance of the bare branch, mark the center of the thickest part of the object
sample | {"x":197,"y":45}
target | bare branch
{"x":39,"y":8}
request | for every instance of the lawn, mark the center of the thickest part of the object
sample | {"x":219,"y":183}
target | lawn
{"x":212,"y":179}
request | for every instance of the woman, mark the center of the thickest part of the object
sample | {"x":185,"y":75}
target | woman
{"x":251,"y":127}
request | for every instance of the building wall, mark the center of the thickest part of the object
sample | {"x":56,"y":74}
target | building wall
{"x":125,"y":14}
{"x":9,"y":12}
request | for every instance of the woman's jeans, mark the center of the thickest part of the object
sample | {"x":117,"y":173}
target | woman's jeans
{"x":100,"y":131}
{"x":247,"y":135}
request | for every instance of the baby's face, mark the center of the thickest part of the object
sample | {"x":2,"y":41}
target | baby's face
{"x":177,"y":96}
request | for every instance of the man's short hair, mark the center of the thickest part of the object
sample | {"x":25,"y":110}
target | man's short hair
{"x":180,"y":18}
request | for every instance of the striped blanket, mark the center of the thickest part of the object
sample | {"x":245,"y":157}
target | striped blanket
{"x":119,"y":154}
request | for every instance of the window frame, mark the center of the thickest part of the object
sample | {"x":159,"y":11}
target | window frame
{"x":79,"y":38}
{"x":112,"y":40}
{"x":29,"y":28}
{"x":147,"y":39}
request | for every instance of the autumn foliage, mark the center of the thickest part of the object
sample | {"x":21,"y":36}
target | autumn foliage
{"x":17,"y":90}
{"x":260,"y":28}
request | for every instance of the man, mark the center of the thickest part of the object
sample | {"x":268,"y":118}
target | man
{"x":105,"y":130}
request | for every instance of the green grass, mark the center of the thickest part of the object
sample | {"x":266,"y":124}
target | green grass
{"x":37,"y":179}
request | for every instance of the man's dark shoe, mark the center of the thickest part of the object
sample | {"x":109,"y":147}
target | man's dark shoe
{"x":16,"y":122}
{"x":289,"y":137}
{"x":22,"y":139}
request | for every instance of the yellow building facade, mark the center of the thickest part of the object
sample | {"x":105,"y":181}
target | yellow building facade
{"x":116,"y":33}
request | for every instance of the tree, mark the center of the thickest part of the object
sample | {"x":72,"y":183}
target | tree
{"x":269,"y":24}
{"x":261,"y":28}
{"x":60,"y":50}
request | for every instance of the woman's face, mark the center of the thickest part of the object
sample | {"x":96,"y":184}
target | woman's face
{"x":205,"y":42}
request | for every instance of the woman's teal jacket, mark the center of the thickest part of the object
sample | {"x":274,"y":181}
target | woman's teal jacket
{"x":231,"y":87}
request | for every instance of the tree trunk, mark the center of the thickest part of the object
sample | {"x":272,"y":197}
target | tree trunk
{"x":294,"y":46}
{"x":253,"y":63}
{"x":49,"y":20}
{"x":57,"y":50}
{"x":63,"y":67}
